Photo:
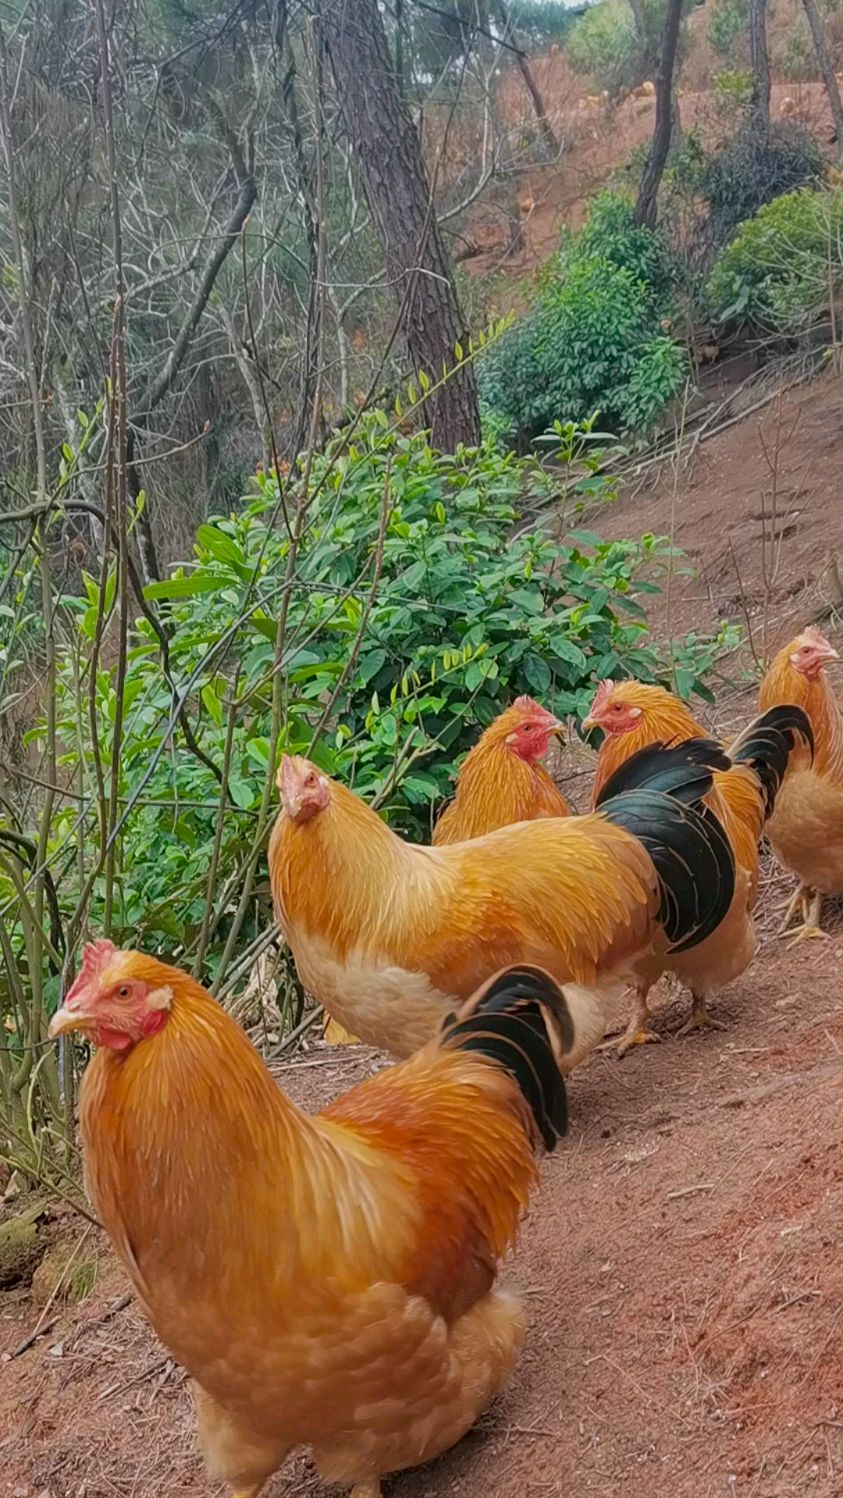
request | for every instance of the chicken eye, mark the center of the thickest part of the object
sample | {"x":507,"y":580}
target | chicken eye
{"x":123,"y":991}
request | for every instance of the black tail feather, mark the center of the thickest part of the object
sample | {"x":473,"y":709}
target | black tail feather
{"x":767,"y":744}
{"x":520,"y":1020}
{"x":683,"y":771}
{"x":656,"y":796}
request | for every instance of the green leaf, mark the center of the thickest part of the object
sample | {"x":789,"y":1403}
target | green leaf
{"x":223,"y":549}
{"x":212,"y":703}
{"x":258,"y":751}
{"x":242,"y":794}
{"x":537,"y":672}
{"x":185,"y":587}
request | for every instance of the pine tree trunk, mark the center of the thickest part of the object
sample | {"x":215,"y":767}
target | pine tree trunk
{"x":395,"y":183}
{"x":826,"y":66}
{"x":646,"y":206}
{"x":760,"y":64}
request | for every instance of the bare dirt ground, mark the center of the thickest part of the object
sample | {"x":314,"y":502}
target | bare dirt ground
{"x":683,"y":1260}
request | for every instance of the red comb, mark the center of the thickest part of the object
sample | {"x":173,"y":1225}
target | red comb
{"x":813,"y":636}
{"x":532,"y":708}
{"x":603,"y":694}
{"x":95,"y":956}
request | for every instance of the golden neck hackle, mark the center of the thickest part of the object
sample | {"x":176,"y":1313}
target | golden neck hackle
{"x":344,"y":871}
{"x":783,"y":684}
{"x":663,"y":719}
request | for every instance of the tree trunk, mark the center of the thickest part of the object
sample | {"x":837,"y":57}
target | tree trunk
{"x":392,"y":172}
{"x":826,"y":66}
{"x":646,"y":206}
{"x":760,"y":64}
{"x":548,"y":133}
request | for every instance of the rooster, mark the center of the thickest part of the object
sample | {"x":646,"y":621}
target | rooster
{"x":806,"y":829}
{"x":501,"y":780}
{"x":631,"y":715}
{"x":389,"y":935}
{"x":326,"y":1281}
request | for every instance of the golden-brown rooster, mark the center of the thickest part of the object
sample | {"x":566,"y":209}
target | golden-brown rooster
{"x":389,"y":935}
{"x":501,"y":780}
{"x":632,"y":714}
{"x":326,"y":1281}
{"x":806,"y":829}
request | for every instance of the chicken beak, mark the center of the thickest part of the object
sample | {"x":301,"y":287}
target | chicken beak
{"x":829,"y":654}
{"x":589,"y":723}
{"x":64,"y":1021}
{"x":558,"y":729}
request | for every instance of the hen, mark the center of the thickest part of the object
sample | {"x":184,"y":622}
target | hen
{"x":806,"y":829}
{"x":327,"y":1281}
{"x":389,"y":935}
{"x":501,"y":780}
{"x":633,"y":714}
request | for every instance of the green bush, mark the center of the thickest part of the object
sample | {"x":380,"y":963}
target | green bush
{"x":469,"y":612}
{"x":605,"y":43}
{"x":593,"y":338}
{"x":778,"y":270}
{"x":799,"y":62}
{"x":729,"y":26}
{"x":751,"y":170}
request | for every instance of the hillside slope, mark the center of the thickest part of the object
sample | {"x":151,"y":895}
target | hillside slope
{"x":682,"y":1264}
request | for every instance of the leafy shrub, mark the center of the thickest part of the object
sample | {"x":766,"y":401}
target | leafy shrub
{"x":593,"y":338}
{"x":733,"y":93}
{"x":775,"y":272}
{"x":751,"y":170}
{"x":385,"y":686}
{"x":603,"y":44}
{"x":799,"y":62}
{"x":728,"y":26}
{"x":606,"y":45}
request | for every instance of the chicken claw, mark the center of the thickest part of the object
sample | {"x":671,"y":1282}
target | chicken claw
{"x":366,"y":1490}
{"x":811,"y":901}
{"x":637,"y":1032}
{"x":699,"y":1018}
{"x":636,"y":1035}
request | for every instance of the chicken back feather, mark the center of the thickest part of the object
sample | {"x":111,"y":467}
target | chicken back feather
{"x":326,"y":1281}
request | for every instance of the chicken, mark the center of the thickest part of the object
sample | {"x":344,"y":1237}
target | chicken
{"x":389,"y":935}
{"x":501,"y":780}
{"x":806,"y":829}
{"x":326,"y":1281}
{"x":632,"y":714}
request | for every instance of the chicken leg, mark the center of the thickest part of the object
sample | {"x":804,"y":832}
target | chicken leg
{"x":366,"y":1490}
{"x":811,"y":902}
{"x":638,"y":1030}
{"x":699,"y":1018}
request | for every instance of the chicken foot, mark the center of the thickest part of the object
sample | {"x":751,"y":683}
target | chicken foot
{"x":811,"y":902}
{"x":699,"y":1018}
{"x":638,"y":1030}
{"x":366,"y":1490}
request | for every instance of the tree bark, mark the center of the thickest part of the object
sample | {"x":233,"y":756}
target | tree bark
{"x":760,"y":63}
{"x":647,"y":205}
{"x":389,"y":158}
{"x":825,"y":63}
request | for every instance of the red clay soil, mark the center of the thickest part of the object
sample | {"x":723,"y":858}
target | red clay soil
{"x":683,"y":1260}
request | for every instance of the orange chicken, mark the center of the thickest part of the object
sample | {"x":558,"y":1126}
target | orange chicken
{"x":632,"y":714}
{"x":501,"y":780}
{"x":389,"y":935}
{"x":326,"y":1281}
{"x":806,"y":829}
